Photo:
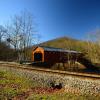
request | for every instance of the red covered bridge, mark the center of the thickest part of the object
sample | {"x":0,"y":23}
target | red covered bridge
{"x":53,"y":55}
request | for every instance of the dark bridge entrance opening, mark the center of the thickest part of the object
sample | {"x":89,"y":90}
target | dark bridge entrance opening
{"x":37,"y":56}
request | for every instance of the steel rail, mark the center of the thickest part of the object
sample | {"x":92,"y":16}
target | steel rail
{"x":27,"y":67}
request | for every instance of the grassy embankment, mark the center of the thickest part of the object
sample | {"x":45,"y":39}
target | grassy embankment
{"x":13,"y":87}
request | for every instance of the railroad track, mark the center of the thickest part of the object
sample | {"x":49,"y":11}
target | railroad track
{"x":27,"y":67}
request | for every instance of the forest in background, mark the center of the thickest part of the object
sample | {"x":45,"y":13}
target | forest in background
{"x":91,"y":50}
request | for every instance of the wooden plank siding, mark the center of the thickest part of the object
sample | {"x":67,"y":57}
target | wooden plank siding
{"x":53,"y":56}
{"x":49,"y":55}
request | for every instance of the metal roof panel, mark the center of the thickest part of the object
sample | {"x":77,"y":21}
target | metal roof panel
{"x":58,"y":49}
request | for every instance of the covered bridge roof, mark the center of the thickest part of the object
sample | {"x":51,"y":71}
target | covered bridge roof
{"x":57,"y":49}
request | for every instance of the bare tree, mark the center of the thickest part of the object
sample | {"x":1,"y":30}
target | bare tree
{"x":21,"y":33}
{"x":2,"y":32}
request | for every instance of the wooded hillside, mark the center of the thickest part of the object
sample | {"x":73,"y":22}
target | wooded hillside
{"x":89,"y":48}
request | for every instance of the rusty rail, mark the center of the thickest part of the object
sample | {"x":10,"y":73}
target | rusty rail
{"x":74,"y":74}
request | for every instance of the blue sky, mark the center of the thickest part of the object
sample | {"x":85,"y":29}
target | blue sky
{"x":56,"y":18}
